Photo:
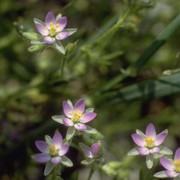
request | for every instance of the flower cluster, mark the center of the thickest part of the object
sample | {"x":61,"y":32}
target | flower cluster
{"x":53,"y":150}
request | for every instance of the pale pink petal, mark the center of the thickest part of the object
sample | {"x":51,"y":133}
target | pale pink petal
{"x":41,"y":29}
{"x":80,"y":105}
{"x":67,"y":109}
{"x":171,"y":173}
{"x":160,"y":138}
{"x":68,"y":122}
{"x":150,"y":131}
{"x":80,"y":127}
{"x":49,"y":19}
{"x":41,"y":157}
{"x":166,"y":163}
{"x":87,"y":152}
{"x":138,"y":139}
{"x":62,"y":21}
{"x":56,"y":160}
{"x":95,"y":149}
{"x":155,"y":150}
{"x":63,"y":150}
{"x":143,"y":151}
{"x":89,"y":116}
{"x":177,"y":154}
{"x":49,"y":40}
{"x":62,"y":35}
{"x":57,"y":139}
{"x":42,"y":146}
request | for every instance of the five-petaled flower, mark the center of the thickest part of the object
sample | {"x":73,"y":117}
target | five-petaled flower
{"x":172,"y":166}
{"x":53,"y":152}
{"x":91,"y":152}
{"x":149,"y":142}
{"x":76,"y":115}
{"x":53,"y":30}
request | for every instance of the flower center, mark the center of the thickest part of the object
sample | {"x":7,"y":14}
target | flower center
{"x":52,"y":150}
{"x":53,"y":29}
{"x":149,"y":142}
{"x":76,"y":116}
{"x":176,"y":163}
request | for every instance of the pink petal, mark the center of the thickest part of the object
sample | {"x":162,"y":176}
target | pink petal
{"x":171,"y":173}
{"x":42,"y":146}
{"x":95,"y":149}
{"x":62,"y":21}
{"x":80,"y":127}
{"x":87,"y":152}
{"x":89,"y":116}
{"x":67,"y":109}
{"x":64,"y":149}
{"x":41,"y":157}
{"x":41,"y":29}
{"x":80,"y":105}
{"x":160,"y":138}
{"x":56,"y":160}
{"x":166,"y":163}
{"x":138,"y":139}
{"x":155,"y":150}
{"x":49,"y":19}
{"x":150,"y":131}
{"x":62,"y":35}
{"x":49,"y":40}
{"x":57,"y":139}
{"x":143,"y":151}
{"x":177,"y":154}
{"x":68,"y":122}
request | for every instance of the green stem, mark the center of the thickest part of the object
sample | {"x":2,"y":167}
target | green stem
{"x":90,"y":173}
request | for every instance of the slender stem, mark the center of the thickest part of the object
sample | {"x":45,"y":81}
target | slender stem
{"x":90,"y":173}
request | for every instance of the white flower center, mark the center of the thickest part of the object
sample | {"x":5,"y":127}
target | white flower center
{"x":149,"y":142}
{"x":76,"y":116}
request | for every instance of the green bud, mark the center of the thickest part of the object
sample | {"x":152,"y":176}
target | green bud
{"x":31,"y":35}
{"x":35,"y":47}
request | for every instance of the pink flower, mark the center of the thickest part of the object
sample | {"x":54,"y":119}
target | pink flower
{"x":54,"y":29}
{"x":149,"y":142}
{"x":52,"y":152}
{"x":76,"y":115}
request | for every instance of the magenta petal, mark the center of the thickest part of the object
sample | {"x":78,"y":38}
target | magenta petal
{"x":143,"y":151}
{"x":171,"y":173}
{"x":56,"y":160}
{"x":160,"y":138}
{"x":42,"y":146}
{"x":150,"y":131}
{"x":64,"y":149}
{"x":80,"y":127}
{"x":95,"y":149}
{"x":80,"y":105}
{"x":57,"y":139}
{"x":155,"y":150}
{"x":68,"y":122}
{"x":67,"y":109}
{"x":62,"y":35}
{"x":41,"y":157}
{"x":166,"y":163}
{"x":49,"y":19}
{"x":41,"y":29}
{"x":88,"y":117}
{"x":49,"y":40}
{"x":62,"y":21}
{"x":177,"y":154}
{"x":138,"y":139}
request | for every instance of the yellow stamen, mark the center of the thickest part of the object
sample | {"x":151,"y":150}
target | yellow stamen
{"x":57,"y":25}
{"x":52,"y":150}
{"x":149,"y":142}
{"x":176,"y":163}
{"x":76,"y":116}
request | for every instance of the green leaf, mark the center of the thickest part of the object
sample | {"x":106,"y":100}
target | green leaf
{"x":160,"y":174}
{"x":70,"y":133}
{"x":48,"y":139}
{"x":149,"y":161}
{"x":140,"y":132}
{"x":48,"y":168}
{"x":166,"y":151}
{"x":87,"y":162}
{"x":133,"y":152}
{"x":58,"y":118}
{"x":66,"y":161}
{"x":35,"y":47}
{"x":31,"y":35}
{"x":91,"y":130}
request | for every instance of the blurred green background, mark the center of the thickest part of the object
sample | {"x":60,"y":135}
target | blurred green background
{"x":105,"y":65}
